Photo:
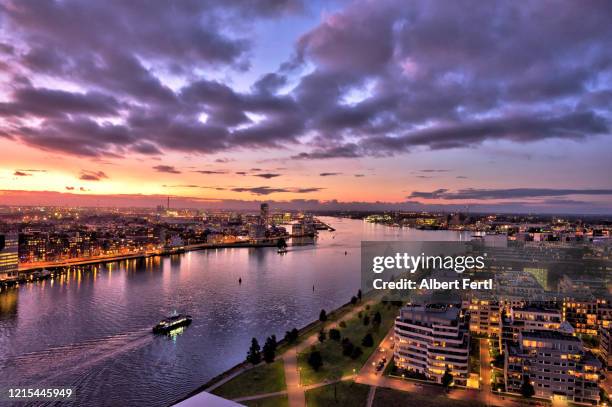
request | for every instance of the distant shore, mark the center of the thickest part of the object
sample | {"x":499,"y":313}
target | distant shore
{"x":29,"y":267}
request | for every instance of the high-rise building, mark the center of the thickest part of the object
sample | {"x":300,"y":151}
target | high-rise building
{"x":9,"y":258}
{"x":264,"y":214}
{"x":556,"y":364}
{"x":432,"y":339}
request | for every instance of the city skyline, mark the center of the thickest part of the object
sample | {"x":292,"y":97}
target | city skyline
{"x":307,"y":105}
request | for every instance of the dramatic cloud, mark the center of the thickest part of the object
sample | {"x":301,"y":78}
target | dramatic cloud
{"x":167,"y":169}
{"x":371,"y":79}
{"x":92,"y":175}
{"x":329,"y":174}
{"x":512,"y":193}
{"x":210,"y":172}
{"x":267,"y":175}
{"x":21,"y":174}
{"x":269,"y":190}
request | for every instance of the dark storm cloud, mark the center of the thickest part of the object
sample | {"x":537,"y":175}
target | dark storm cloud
{"x":511,"y":193}
{"x":21,"y":174}
{"x":92,"y":175}
{"x":169,"y":169}
{"x":329,"y":174}
{"x":373,"y":78}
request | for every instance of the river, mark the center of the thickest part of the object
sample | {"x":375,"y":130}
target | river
{"x":90,"y":329}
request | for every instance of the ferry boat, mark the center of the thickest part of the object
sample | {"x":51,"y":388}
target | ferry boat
{"x":172,"y":322}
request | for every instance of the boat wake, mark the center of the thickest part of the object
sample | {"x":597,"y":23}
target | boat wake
{"x":46,"y":367}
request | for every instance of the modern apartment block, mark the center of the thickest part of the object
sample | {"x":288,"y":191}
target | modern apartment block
{"x":9,"y":259}
{"x":485,"y":316}
{"x":531,"y":318}
{"x":429,"y":339}
{"x":605,"y":346}
{"x":587,"y":315}
{"x":556,"y":364}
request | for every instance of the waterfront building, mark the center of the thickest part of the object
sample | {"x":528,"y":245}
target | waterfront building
{"x":429,"y":339}
{"x":556,"y":364}
{"x":9,"y":258}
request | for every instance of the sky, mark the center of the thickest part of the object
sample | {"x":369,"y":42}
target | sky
{"x":307,"y":104}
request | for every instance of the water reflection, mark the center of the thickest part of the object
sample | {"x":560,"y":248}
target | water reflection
{"x":90,"y":328}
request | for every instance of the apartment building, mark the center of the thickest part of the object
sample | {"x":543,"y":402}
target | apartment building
{"x":429,"y":339}
{"x":531,"y":318}
{"x":587,"y":315}
{"x":605,"y":346}
{"x":556,"y":364}
{"x":485,"y":316}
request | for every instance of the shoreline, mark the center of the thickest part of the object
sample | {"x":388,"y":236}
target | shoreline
{"x":303,"y":332}
{"x":26,"y":268}
{"x":26,"y":273}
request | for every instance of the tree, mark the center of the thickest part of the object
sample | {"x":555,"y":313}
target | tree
{"x":366,"y":320}
{"x":342,"y":324}
{"x":527,"y":389}
{"x":359,"y":294}
{"x":367,"y":341}
{"x":334,"y":334}
{"x":269,"y":349}
{"x":377,"y":320}
{"x":347,"y":347}
{"x":291,"y":336}
{"x":322,"y":316}
{"x":322,"y":336}
{"x":254,"y":356}
{"x":353,"y":300}
{"x":356,"y":352}
{"x":447,"y":378}
{"x":315,"y":360}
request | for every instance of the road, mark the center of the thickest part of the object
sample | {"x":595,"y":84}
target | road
{"x":485,"y":371}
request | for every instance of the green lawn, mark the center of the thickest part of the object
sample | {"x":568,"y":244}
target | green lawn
{"x":348,"y":394}
{"x":277,"y":401}
{"x":392,"y":398}
{"x":336,"y":365}
{"x":261,"y":379}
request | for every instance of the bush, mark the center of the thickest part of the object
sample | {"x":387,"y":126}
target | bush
{"x":291,"y":336}
{"x":366,"y":320}
{"x":353,"y":300}
{"x":322,"y":336}
{"x":356,"y":352}
{"x":322,"y":316}
{"x":347,"y":347}
{"x":315,"y":360}
{"x":334,"y":334}
{"x":367,"y":341}
{"x":342,"y":324}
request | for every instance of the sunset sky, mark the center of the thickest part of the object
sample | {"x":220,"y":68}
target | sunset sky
{"x":379,"y":104}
